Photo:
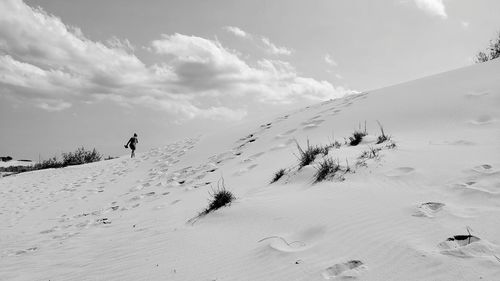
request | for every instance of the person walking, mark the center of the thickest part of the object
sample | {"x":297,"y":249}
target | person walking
{"x":132,"y":142}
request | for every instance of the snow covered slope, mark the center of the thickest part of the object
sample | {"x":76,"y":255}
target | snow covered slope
{"x":426,"y":209}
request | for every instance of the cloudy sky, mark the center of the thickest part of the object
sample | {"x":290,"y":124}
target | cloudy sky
{"x":93,"y":72}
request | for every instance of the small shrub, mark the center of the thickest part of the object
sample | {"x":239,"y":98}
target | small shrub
{"x":280,"y":173}
{"x":391,"y":145}
{"x":307,"y":156}
{"x":356,"y":137}
{"x":220,"y":197}
{"x":326,"y":169}
{"x":81,"y":156}
{"x":382,"y":137}
{"x":370,"y":153}
{"x":336,"y":144}
{"x":493,"y":51}
{"x":48,"y":164}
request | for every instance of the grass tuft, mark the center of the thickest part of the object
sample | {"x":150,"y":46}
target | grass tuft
{"x":371,"y":153}
{"x":308,"y":155}
{"x":280,"y":173}
{"x":382,"y":137}
{"x":220,"y":197}
{"x":326,"y":170}
{"x":356,"y":138}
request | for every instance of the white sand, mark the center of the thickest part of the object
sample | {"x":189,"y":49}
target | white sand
{"x":127,"y":219}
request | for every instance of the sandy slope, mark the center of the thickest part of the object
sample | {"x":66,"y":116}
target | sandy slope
{"x":127,"y":219}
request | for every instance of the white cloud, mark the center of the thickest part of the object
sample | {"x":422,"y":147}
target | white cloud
{"x":465,"y":24}
{"x":273,"y":49}
{"x":123,"y":44}
{"x":206,"y":68}
{"x":433,"y":7}
{"x":236,"y":31}
{"x":53,"y":66}
{"x":329,"y":60}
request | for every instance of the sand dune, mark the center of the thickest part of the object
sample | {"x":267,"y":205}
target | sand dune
{"x":426,"y":209}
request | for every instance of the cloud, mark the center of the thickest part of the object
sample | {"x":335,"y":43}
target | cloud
{"x":329,"y":60}
{"x":53,"y":66}
{"x":465,"y":24}
{"x":273,"y":49}
{"x":432,"y":7}
{"x":236,"y":31}
{"x":206,"y":68}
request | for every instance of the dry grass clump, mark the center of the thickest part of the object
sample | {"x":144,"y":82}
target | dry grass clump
{"x":356,"y":138}
{"x":327,"y":169}
{"x":371,"y":153}
{"x":220,"y":197}
{"x":308,"y":155}
{"x":382,"y":137}
{"x":280,"y":173}
{"x":81,"y":156}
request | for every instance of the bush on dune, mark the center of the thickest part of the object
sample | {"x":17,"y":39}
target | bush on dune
{"x":308,"y":155}
{"x":493,"y":51}
{"x":78,"y":157}
{"x":220,"y":197}
{"x":356,"y":138}
{"x":48,"y":164}
{"x":382,"y":137}
{"x":81,"y":156}
{"x":326,"y":169}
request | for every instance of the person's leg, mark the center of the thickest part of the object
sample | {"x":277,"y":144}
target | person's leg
{"x":133,"y":153}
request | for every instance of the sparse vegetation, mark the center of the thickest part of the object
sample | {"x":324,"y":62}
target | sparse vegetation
{"x":391,"y":145}
{"x":356,"y":137}
{"x":336,"y":144}
{"x":280,"y":173}
{"x":81,"y":156}
{"x":326,"y":170}
{"x":220,"y":197}
{"x":48,"y":164}
{"x":382,"y":137}
{"x":492,"y":52}
{"x":307,"y":156}
{"x":371,"y":153}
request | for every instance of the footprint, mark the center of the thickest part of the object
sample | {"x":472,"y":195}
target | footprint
{"x":350,"y":269}
{"x":484,"y":180}
{"x":49,"y":230}
{"x":477,"y":94}
{"x":279,"y":146}
{"x":401,"y":171}
{"x":428,"y":209}
{"x":484,"y":168}
{"x":29,"y":250}
{"x":468,"y":246}
{"x":313,"y":122}
{"x":483,"y":120}
{"x":102,"y":221}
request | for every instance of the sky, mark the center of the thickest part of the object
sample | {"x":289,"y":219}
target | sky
{"x":91,"y":73}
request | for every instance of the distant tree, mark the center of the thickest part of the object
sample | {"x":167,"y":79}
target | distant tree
{"x":492,"y":52}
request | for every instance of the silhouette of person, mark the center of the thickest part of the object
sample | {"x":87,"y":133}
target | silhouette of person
{"x":132,"y":142}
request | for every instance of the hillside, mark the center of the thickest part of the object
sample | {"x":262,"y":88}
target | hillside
{"x":425,"y":208}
